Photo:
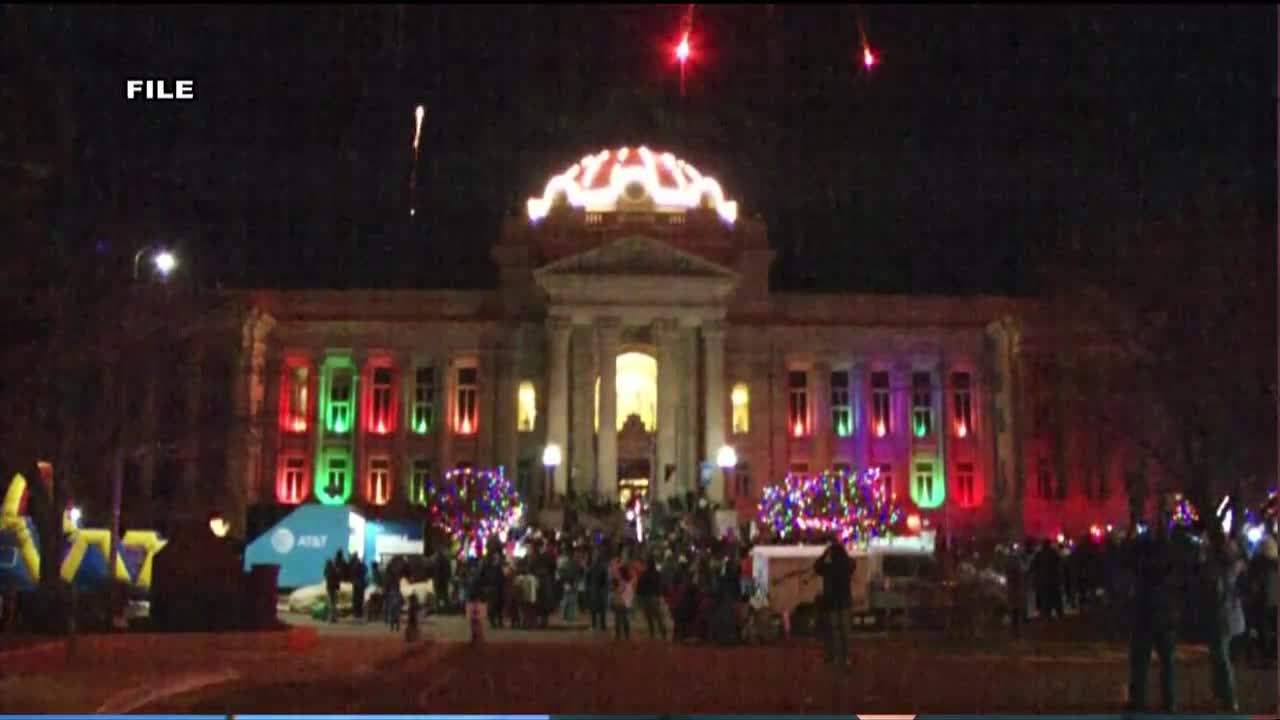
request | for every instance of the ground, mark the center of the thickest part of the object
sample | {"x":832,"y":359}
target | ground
{"x":357,"y":667}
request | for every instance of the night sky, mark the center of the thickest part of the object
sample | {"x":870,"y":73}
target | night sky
{"x":984,"y":136}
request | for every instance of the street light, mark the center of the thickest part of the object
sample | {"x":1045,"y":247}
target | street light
{"x":164,"y":262}
{"x":550,"y":461}
{"x":218,"y":525}
{"x":727,"y":459}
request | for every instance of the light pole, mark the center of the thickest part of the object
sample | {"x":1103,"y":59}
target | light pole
{"x":550,"y":461}
{"x":165,"y":262}
{"x":727,"y":459}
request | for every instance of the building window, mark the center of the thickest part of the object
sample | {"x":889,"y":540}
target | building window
{"x":799,"y":468}
{"x":527,"y":407}
{"x":338,"y":419}
{"x":841,"y":411}
{"x":465,"y":416}
{"x":740,"y":398}
{"x":420,"y":482}
{"x":424,"y":400}
{"x":965,"y":490}
{"x":962,"y":402}
{"x":1044,"y":478}
{"x":841,"y":468}
{"x":921,"y":404}
{"x":291,"y":488}
{"x":886,"y":480}
{"x":380,"y":409}
{"x":925,"y":491}
{"x":377,"y":489}
{"x":294,"y":398}
{"x":798,"y":420}
{"x":881,"y":414}
{"x":333,"y":479}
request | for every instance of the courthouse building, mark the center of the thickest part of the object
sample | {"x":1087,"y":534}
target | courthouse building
{"x":633,"y":327}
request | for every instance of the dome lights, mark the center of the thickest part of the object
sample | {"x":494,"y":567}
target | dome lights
{"x":599,"y":181}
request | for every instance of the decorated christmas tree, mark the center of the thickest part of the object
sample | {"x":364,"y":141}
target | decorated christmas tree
{"x":474,"y":507}
{"x":855,"y":508}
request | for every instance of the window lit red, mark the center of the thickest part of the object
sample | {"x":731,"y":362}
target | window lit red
{"x":381,"y":401}
{"x":881,"y":414}
{"x":295,"y":398}
{"x":798,"y":411}
{"x":465,"y":409}
{"x":291,"y":484}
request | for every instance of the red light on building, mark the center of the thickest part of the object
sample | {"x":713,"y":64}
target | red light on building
{"x":962,"y":430}
{"x":683,"y":50}
{"x":869,"y":58}
{"x":880,"y":429}
{"x":465,"y":426}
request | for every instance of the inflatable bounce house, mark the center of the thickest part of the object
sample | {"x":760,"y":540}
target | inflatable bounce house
{"x":88,"y":550}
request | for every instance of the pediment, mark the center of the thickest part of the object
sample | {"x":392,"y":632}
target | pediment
{"x":636,"y":255}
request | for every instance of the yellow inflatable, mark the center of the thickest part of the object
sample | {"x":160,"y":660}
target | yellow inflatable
{"x":81,"y":540}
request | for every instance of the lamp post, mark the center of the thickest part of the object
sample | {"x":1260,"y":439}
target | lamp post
{"x":550,"y":461}
{"x":165,"y":262}
{"x":727,"y":459}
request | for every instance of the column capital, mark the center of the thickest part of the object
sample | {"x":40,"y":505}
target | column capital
{"x":666,"y":328}
{"x":608,"y":324}
{"x":559,"y":325}
{"x":713,"y":329}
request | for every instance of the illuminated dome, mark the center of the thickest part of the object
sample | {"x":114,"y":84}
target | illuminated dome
{"x":612,"y":179}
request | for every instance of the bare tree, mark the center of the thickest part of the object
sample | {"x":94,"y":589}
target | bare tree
{"x":1173,"y":322}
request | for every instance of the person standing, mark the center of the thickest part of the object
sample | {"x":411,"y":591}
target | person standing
{"x":1047,"y":571}
{"x":495,"y":588}
{"x":443,"y":573}
{"x":394,"y":597}
{"x":624,"y":600}
{"x":1015,"y":574}
{"x":359,"y":581}
{"x":332,"y":582}
{"x":649,"y":591}
{"x":475,"y":607}
{"x":836,"y":569}
{"x":1160,"y":585}
{"x":1224,"y":566}
{"x":598,"y":591}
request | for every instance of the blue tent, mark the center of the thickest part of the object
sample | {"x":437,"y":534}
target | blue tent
{"x":302,"y":542}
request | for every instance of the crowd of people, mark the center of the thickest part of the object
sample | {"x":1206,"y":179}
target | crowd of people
{"x":1155,"y":585}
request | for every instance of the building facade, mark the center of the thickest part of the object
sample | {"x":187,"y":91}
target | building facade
{"x":633,"y":296}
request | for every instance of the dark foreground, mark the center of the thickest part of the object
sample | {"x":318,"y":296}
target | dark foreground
{"x":653,"y":677}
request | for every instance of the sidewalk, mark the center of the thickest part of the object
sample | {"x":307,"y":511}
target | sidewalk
{"x":114,"y":666}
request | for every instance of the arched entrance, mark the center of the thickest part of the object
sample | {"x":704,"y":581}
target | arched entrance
{"x":637,"y":419}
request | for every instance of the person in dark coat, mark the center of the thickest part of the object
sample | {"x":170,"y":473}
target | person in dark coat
{"x":1047,"y":572}
{"x":1015,"y":573}
{"x":598,"y":592}
{"x":331,"y":584}
{"x":1160,"y":578}
{"x":649,"y":591}
{"x":359,"y":581}
{"x":495,"y":588}
{"x":836,"y":569}
{"x":443,"y":575}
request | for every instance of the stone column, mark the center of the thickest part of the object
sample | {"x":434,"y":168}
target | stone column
{"x":558,"y":394}
{"x":689,"y":449}
{"x":579,"y":466}
{"x":821,"y":403}
{"x":714,"y":405}
{"x":666,"y":333}
{"x":608,"y":336}
{"x":861,"y":415}
{"x":505,"y":416}
{"x":401,"y":462}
